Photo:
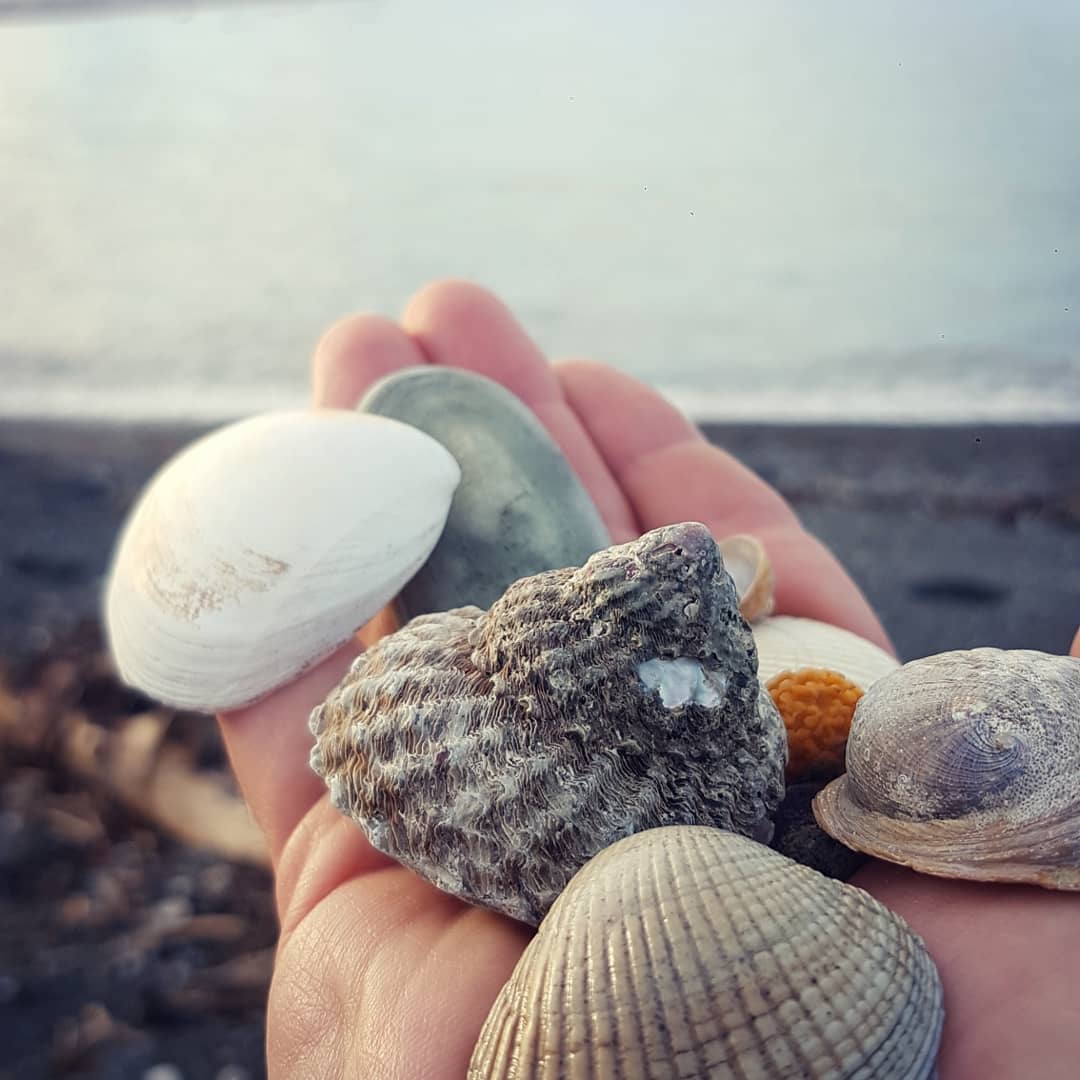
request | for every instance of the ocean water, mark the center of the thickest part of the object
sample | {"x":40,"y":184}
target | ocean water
{"x":768,"y":210}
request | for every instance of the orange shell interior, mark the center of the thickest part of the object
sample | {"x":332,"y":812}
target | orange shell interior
{"x":817,"y":706}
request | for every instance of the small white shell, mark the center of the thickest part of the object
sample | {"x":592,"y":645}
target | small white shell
{"x":262,"y":547}
{"x":787,"y":643}
{"x":745,"y":560}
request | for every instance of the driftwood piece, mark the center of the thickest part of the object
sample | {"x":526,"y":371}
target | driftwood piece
{"x":159,"y":780}
{"x":134,"y":762}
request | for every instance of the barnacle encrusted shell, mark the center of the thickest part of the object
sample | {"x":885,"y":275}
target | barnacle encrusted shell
{"x":967,"y":764}
{"x":694,"y":953}
{"x":495,"y":753}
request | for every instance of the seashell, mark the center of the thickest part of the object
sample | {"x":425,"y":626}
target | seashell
{"x":749,"y":566}
{"x":260,"y":548}
{"x":496,"y":752}
{"x":815,"y":674}
{"x":520,"y":508}
{"x":788,"y":643}
{"x":695,"y":953}
{"x":967,"y":764}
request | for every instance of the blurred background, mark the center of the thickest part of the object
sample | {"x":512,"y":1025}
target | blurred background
{"x":829,"y":211}
{"x":842,"y":236}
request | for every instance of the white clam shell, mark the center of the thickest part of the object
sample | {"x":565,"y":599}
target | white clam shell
{"x":262,"y":547}
{"x":788,"y":643}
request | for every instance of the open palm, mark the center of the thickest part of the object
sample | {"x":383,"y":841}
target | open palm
{"x":378,"y":973}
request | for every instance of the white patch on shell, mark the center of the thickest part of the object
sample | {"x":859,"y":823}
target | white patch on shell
{"x":683,"y":681}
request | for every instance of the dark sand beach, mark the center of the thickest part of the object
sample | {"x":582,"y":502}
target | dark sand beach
{"x":959,"y":535}
{"x":122,"y":948}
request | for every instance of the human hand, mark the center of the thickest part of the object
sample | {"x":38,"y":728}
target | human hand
{"x":381,"y":975}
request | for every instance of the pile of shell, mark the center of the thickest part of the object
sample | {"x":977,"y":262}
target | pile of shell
{"x":600,"y":747}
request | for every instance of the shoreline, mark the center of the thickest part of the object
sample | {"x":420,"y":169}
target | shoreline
{"x":960,"y":535}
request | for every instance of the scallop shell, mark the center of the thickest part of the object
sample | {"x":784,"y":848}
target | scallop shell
{"x":788,"y":643}
{"x":695,"y":953}
{"x":260,"y":548}
{"x":495,"y":753}
{"x":967,"y":764}
{"x":749,"y":566}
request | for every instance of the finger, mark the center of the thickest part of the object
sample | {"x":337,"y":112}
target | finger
{"x":463,"y":326}
{"x":812,"y":582}
{"x":356,"y":352}
{"x":1074,"y":650}
{"x":269,"y":744}
{"x":365,"y":960}
{"x":670,"y":473}
{"x":1002,"y":1004}
{"x":644,"y":439}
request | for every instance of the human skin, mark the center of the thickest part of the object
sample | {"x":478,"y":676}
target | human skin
{"x":380,"y":975}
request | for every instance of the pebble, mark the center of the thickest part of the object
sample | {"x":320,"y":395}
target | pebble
{"x":520,"y":508}
{"x":10,"y":987}
{"x":163,"y":1071}
{"x":799,"y":837}
{"x":180,"y":885}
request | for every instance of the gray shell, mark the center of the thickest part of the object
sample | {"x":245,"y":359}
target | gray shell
{"x":966,"y":764}
{"x":495,"y":753}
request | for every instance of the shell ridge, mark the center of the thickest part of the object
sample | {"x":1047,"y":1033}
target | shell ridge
{"x":908,"y":957}
{"x":765,"y":893}
{"x":677,"y":911}
{"x":631,"y":961}
{"x":789,"y":964}
{"x":796,"y":974}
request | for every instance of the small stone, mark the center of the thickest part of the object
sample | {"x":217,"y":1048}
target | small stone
{"x":215,"y":881}
{"x":520,"y":508}
{"x":180,"y":885}
{"x":10,"y":988}
{"x":799,"y":837}
{"x":163,"y":1071}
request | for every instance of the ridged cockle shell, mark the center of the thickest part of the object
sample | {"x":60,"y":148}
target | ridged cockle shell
{"x":496,"y":752}
{"x":698,"y":954}
{"x":967,"y":764}
{"x":260,"y":548}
